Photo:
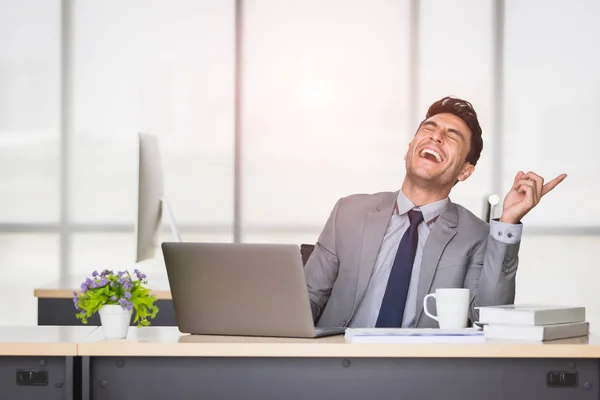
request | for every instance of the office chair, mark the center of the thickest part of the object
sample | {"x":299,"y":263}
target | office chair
{"x":489,"y":204}
{"x":306,"y":250}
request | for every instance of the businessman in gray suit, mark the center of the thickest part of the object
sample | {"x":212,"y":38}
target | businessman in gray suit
{"x":380,"y":254}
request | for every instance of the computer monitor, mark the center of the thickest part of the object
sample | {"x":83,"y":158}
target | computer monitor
{"x":151,"y":200}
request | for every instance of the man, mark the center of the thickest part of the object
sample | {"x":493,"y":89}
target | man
{"x":380,"y":254}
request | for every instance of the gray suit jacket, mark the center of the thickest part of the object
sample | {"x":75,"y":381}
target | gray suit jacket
{"x":459,"y":252}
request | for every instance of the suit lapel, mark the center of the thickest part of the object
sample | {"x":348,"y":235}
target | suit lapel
{"x":375,"y":228}
{"x":443,"y":231}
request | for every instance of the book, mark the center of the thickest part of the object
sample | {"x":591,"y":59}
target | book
{"x":416,"y":335}
{"x":536,"y":333}
{"x":530,"y":314}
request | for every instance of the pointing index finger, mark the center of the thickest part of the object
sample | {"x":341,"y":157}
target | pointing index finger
{"x":553,"y":183}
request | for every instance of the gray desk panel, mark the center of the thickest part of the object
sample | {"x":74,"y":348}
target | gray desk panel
{"x":60,"y":311}
{"x":60,"y":378}
{"x":332,"y":378}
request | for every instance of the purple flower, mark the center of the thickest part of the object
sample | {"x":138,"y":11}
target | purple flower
{"x":95,"y":273}
{"x":139,"y":274}
{"x":127,"y":295}
{"x":75,"y":303}
{"x":127,"y":286}
{"x":125,"y":304}
{"x":113,"y":298}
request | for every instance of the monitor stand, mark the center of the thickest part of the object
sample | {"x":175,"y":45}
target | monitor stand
{"x":167,"y":208}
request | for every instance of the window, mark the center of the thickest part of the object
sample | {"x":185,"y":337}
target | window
{"x":147,"y":66}
{"x":324,"y":110}
{"x":551,"y":104}
{"x":456,"y":59}
{"x":29,"y":261}
{"x":29,"y":111}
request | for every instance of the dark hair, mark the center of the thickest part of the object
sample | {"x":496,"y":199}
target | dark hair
{"x":465,"y":111}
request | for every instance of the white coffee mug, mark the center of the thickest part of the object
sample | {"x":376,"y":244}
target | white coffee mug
{"x":452,"y":306}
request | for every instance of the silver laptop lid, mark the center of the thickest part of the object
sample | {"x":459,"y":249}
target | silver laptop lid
{"x":239,"y":289}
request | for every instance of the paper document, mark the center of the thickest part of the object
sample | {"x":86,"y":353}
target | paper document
{"x":416,"y":335}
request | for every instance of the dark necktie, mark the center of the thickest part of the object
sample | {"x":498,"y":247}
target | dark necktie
{"x":394,"y":300}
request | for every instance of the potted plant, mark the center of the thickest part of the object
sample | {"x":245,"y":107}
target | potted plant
{"x":115,"y":297}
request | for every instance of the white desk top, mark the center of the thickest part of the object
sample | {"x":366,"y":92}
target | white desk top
{"x":42,"y":340}
{"x":65,"y":288}
{"x":168,"y":341}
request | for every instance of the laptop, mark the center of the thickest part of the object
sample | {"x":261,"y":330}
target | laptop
{"x":240,"y":289}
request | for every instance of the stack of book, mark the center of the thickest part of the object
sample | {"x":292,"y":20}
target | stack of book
{"x":533,"y":322}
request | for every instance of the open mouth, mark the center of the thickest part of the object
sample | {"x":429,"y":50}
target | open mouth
{"x":431,"y":155}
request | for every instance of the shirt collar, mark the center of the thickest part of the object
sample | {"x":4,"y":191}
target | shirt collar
{"x":430,"y":211}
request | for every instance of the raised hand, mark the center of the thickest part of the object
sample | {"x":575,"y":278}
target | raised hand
{"x":526,"y":192}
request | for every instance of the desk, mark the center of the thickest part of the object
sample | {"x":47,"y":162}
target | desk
{"x":55,"y":303}
{"x":47,"y":350}
{"x":160,"y":362}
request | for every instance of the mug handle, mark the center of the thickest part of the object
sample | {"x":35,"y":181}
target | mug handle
{"x":430,"y":315}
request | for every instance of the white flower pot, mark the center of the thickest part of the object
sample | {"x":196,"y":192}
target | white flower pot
{"x":115,"y":321}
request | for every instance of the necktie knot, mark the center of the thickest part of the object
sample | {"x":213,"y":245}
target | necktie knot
{"x":415,"y":217}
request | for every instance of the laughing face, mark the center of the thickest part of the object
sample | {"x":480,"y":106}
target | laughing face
{"x":436,"y":156}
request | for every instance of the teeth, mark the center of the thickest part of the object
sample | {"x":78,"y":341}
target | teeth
{"x":433,"y":153}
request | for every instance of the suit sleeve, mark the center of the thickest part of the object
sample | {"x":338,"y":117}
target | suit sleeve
{"x":493,"y":268}
{"x":321,"y":269}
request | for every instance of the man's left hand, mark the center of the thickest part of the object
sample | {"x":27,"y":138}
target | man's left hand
{"x":526,"y":193}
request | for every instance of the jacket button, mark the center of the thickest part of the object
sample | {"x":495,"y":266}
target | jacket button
{"x":344,"y":323}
